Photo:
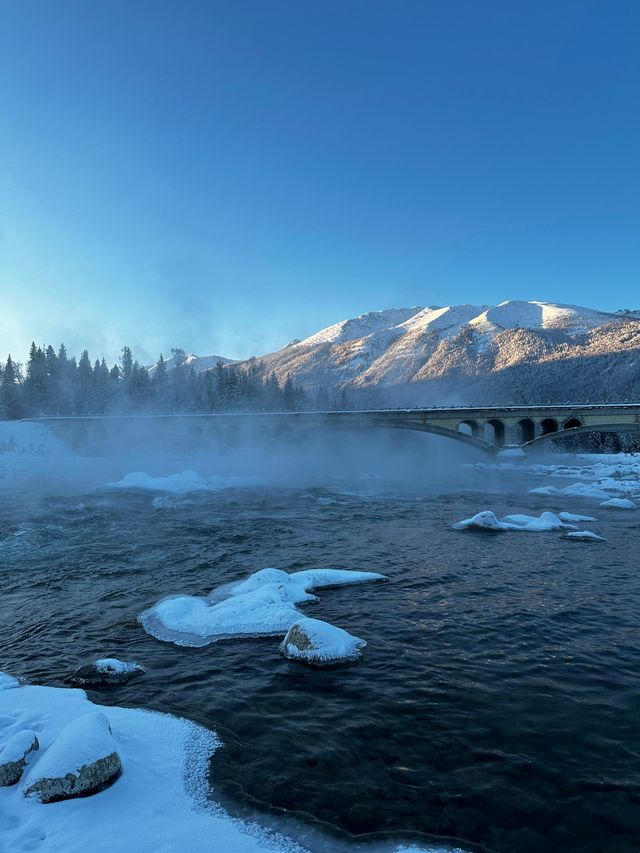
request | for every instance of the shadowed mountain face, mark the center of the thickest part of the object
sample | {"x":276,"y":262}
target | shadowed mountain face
{"x":515,"y":352}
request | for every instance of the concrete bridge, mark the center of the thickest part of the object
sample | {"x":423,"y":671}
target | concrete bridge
{"x":487,"y":429}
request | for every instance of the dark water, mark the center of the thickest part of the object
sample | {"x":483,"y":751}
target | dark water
{"x":498,"y":700}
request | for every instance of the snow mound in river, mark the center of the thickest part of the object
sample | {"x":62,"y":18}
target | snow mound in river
{"x":487,"y":520}
{"x":262,"y":605}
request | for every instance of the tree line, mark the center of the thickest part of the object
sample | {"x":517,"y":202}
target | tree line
{"x":56,"y":384}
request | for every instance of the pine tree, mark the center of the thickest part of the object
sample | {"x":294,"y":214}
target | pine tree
{"x":10,"y":402}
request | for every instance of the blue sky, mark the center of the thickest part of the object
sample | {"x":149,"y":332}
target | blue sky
{"x":227,"y":176}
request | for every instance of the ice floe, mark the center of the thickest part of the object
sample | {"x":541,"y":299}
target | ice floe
{"x":487,"y":520}
{"x":316,"y":642}
{"x":264,"y":604}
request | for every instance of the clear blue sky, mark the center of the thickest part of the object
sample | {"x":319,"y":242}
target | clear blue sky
{"x":225,"y":176}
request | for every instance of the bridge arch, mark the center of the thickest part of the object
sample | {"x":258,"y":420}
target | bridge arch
{"x":572,"y":423}
{"x":526,"y":430}
{"x":548,"y":426}
{"x":469,"y":427}
{"x":494,"y":432}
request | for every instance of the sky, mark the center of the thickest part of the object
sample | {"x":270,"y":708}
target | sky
{"x":227,"y":176}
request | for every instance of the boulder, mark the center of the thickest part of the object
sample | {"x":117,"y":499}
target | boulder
{"x":319,"y":643}
{"x":82,"y":760}
{"x":14,"y":756}
{"x":105,"y":671}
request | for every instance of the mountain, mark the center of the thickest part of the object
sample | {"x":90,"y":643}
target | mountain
{"x":198,"y":362}
{"x":515,"y":352}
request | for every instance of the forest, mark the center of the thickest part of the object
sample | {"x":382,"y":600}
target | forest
{"x":52,"y":383}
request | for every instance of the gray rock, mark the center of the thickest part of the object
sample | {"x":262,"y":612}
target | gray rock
{"x":82,"y":760}
{"x":14,"y":756}
{"x":105,"y":671}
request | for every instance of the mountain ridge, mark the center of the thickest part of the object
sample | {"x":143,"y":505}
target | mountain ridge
{"x":464,"y":354}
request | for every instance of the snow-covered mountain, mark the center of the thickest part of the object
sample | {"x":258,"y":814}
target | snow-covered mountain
{"x":512,"y":352}
{"x":198,"y":362}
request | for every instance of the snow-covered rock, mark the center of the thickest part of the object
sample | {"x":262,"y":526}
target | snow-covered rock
{"x":546,"y":521}
{"x":264,"y":604}
{"x":81,"y":760}
{"x":487,"y":520}
{"x":584,"y":536}
{"x":106,"y":671}
{"x":619,"y":503}
{"x":15,"y":754}
{"x":316,"y":642}
{"x":572,"y":517}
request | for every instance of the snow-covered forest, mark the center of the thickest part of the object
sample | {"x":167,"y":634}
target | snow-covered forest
{"x":56,"y":384}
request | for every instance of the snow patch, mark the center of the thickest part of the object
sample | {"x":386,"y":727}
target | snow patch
{"x":619,"y":503}
{"x":262,"y":605}
{"x":181,"y":484}
{"x":487,"y":520}
{"x":584,"y":536}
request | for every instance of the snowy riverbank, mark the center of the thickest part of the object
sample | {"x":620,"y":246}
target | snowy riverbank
{"x":160,"y":802}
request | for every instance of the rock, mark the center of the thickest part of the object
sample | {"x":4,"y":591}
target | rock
{"x":14,"y":756}
{"x":319,"y":643}
{"x":105,"y":671}
{"x":82,"y":760}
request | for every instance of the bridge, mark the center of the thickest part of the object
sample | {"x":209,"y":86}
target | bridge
{"x":487,"y":429}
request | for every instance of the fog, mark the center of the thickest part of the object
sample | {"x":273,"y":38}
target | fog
{"x":75,"y":456}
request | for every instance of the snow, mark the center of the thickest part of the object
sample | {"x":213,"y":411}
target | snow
{"x":150,"y":807}
{"x":17,"y":747}
{"x":360,"y":327}
{"x":619,"y":503}
{"x":8,"y":681}
{"x":114,"y":665}
{"x":159,"y":804}
{"x":262,"y":605}
{"x":584,"y":536}
{"x":25,"y":438}
{"x":198,"y":362}
{"x":328,"y":643}
{"x":181,"y":484}
{"x":83,"y":741}
{"x":572,"y":517}
{"x":487,"y":520}
{"x":514,"y":314}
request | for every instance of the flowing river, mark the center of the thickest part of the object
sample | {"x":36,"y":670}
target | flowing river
{"x":498,"y":701}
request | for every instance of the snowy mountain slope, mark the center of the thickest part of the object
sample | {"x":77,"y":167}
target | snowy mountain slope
{"x":421,"y":350}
